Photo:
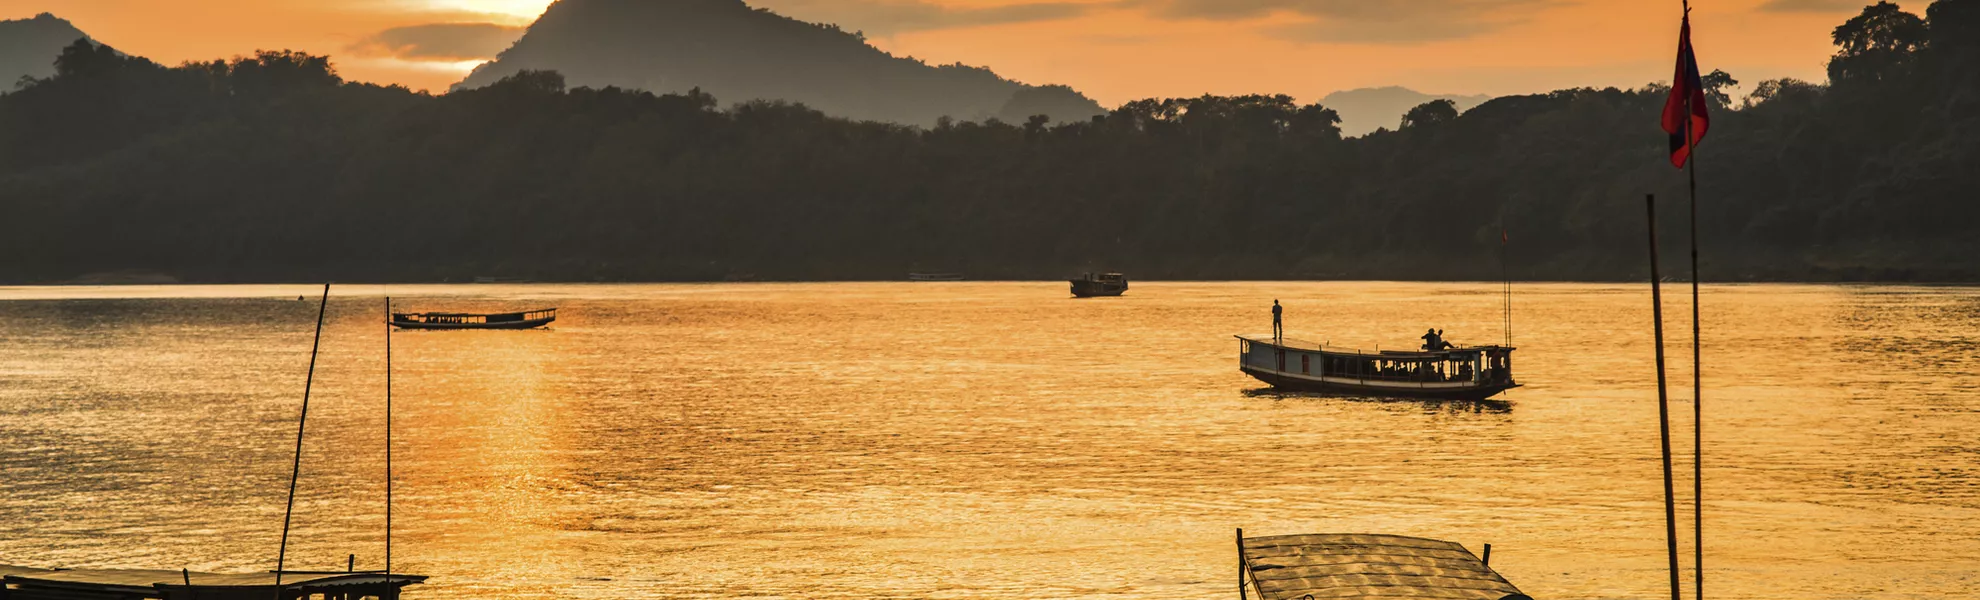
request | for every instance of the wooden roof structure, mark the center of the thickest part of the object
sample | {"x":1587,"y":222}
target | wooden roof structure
{"x":1336,"y":565}
{"x":23,"y":583}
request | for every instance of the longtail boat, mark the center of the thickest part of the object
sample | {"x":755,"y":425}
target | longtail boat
{"x":516,"y":320}
{"x":1466,"y":373}
{"x":1099,"y":284}
{"x":1340,"y":566}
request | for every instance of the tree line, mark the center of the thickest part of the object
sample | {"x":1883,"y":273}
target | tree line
{"x":272,"y":167}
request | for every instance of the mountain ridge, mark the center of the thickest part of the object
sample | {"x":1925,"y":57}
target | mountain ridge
{"x":738,"y":53}
{"x":28,"y":47}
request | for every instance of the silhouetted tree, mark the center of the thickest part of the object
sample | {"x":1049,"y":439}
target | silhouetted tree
{"x":1430,"y":113}
{"x":1876,"y":44}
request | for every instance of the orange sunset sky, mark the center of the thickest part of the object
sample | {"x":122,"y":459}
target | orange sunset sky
{"x":1113,"y":50}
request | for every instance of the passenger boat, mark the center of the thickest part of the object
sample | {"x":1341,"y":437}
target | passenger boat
{"x":516,"y":320}
{"x":1099,"y":284}
{"x":935,"y":277}
{"x":1340,"y":566}
{"x":1469,"y":373}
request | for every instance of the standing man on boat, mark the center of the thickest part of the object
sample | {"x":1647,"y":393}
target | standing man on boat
{"x":1278,"y":329}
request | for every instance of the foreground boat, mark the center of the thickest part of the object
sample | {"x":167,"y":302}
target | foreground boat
{"x":517,"y":320}
{"x":1342,"y":566}
{"x":23,"y":583}
{"x":1471,"y":373}
{"x":1099,"y":284}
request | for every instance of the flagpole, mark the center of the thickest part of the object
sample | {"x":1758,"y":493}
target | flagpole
{"x":1697,"y":361}
{"x":1697,"y":384}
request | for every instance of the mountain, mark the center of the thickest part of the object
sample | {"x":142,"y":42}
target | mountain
{"x":28,"y":47}
{"x":1363,"y":110}
{"x":738,"y":54}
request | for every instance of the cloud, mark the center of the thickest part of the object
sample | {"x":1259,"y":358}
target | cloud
{"x":440,"y":41}
{"x":1362,"y":21}
{"x":888,"y":17}
{"x":1814,"y":6}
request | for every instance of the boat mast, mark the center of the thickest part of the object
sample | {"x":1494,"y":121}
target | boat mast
{"x":295,"y":472}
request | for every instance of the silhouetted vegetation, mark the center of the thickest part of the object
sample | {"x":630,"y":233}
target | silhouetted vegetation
{"x":272,"y":168}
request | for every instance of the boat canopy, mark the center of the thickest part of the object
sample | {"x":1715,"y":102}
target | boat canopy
{"x":1334,"y":565}
{"x":1297,"y":344}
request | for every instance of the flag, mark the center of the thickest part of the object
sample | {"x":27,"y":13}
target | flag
{"x":1687,"y":96}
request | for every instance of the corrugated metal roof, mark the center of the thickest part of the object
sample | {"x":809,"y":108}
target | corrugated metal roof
{"x":1291,"y":567}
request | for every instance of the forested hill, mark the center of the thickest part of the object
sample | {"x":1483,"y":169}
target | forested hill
{"x":737,"y":53}
{"x":272,"y":168}
{"x":28,"y":46}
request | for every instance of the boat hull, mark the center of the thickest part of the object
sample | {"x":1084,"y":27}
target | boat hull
{"x":1330,"y":386}
{"x":1091,"y":289}
{"x":530,"y":324}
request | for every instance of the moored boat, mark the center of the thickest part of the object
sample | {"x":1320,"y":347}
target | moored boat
{"x":1466,"y":373}
{"x":1090,"y":285}
{"x":1344,"y":566}
{"x":516,"y":320}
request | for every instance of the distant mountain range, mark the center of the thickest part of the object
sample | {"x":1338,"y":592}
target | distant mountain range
{"x":1367,"y":109}
{"x":738,"y":53}
{"x":28,"y":47}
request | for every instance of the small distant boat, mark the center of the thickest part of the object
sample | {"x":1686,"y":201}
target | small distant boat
{"x":1469,"y":373}
{"x":488,"y":279}
{"x":1099,"y":284}
{"x":935,"y":277}
{"x":1339,"y":566}
{"x":516,"y":320}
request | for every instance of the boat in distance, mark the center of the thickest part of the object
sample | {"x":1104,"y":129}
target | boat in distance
{"x":530,"y":319}
{"x":1090,"y":285}
{"x":935,"y":277}
{"x":1466,"y":373}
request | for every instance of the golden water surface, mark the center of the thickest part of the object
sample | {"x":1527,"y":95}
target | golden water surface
{"x":981,"y":440}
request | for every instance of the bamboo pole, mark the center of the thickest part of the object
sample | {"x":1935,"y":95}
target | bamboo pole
{"x":1663,"y":399}
{"x":302,"y":422}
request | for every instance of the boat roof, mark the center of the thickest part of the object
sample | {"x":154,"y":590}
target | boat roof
{"x":1298,"y":344}
{"x":147,"y":580}
{"x":455,"y":314}
{"x":1354,"y":565}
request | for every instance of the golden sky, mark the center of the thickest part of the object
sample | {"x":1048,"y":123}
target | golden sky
{"x":1113,"y":50}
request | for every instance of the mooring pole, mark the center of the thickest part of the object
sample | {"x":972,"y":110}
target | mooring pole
{"x":1663,"y":399}
{"x":302,"y":423}
{"x":388,"y":435}
{"x":1240,"y":544}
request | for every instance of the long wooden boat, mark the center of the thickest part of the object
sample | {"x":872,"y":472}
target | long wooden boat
{"x":22,"y":583}
{"x":1339,"y":566}
{"x":1091,"y":285}
{"x":516,"y":320}
{"x":1469,"y":373}
{"x":925,"y":277}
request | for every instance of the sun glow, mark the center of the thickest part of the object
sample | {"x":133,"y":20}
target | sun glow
{"x":521,"y":9}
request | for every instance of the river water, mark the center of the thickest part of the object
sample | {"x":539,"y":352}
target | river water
{"x":981,"y":440}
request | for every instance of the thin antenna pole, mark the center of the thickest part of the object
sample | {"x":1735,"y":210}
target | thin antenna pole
{"x":388,"y":435}
{"x":1663,"y":399}
{"x":295,"y":472}
{"x":1697,"y":377}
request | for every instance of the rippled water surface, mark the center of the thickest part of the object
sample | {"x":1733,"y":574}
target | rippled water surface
{"x":980,"y":440}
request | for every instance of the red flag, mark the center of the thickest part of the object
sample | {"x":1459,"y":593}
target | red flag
{"x":1687,"y":96}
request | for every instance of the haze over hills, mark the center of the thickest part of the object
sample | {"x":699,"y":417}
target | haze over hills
{"x":28,"y":47}
{"x":738,"y":54}
{"x":1366,"y":109}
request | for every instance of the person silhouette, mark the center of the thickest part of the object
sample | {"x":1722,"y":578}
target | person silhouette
{"x":1431,"y":339}
{"x":1278,"y":327}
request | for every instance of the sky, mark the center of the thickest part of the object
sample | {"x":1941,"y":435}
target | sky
{"x":1113,"y":50}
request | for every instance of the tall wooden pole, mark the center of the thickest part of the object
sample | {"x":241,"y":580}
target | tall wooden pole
{"x":1697,"y":379}
{"x":295,"y":472}
{"x":1240,"y":542}
{"x":1663,"y":400}
{"x":388,"y":435}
